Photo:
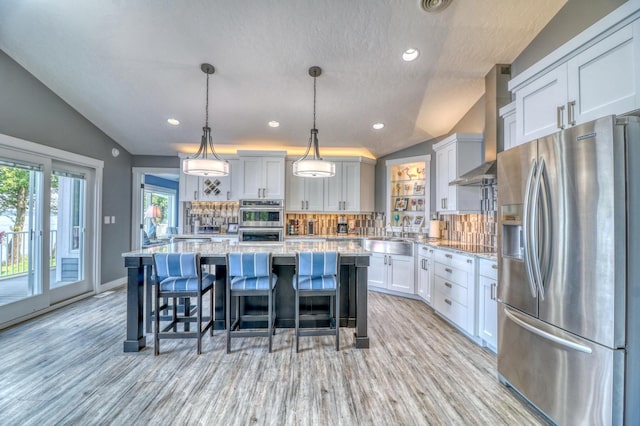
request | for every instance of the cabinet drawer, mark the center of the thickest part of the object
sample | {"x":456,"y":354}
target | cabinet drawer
{"x":425,"y":250}
{"x":451,"y":309}
{"x":451,"y":290}
{"x":452,"y":274}
{"x":488,"y":268}
{"x":456,"y":260}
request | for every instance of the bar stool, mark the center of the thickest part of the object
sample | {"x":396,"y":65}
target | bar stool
{"x":317,"y":275}
{"x":250,"y":274}
{"x":180,"y":276}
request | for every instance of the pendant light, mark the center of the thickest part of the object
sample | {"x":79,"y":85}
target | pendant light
{"x":201,"y":164}
{"x":313,"y":165}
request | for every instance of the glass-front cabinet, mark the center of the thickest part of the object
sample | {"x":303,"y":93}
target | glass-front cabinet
{"x":408,"y":193}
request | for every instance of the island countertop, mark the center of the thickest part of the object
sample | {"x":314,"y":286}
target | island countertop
{"x":280,"y":249}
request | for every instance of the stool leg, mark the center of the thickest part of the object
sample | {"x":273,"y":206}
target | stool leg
{"x":269,"y":316}
{"x":337,"y":311}
{"x":212,"y":312}
{"x":297,"y":318}
{"x":228,"y":317}
{"x":199,"y":319}
{"x":156,"y":338}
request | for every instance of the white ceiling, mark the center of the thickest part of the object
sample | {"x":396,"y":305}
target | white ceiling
{"x":127,"y":66}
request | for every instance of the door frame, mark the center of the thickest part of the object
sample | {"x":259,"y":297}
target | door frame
{"x":136,"y":198}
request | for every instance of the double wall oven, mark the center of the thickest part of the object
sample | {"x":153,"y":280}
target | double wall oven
{"x":261,"y":220}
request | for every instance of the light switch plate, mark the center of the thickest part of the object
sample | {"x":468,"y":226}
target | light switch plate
{"x":106,"y":220}
{"x":113,"y":219}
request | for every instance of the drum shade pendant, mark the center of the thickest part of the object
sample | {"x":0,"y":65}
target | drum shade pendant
{"x":206,"y":162}
{"x":311,"y":164}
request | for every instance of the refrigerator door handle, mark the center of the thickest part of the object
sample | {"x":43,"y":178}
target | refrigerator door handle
{"x":526,"y":231}
{"x":546,"y":335}
{"x":533,"y":238}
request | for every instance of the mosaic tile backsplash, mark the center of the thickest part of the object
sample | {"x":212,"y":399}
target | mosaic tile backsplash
{"x":471,"y":228}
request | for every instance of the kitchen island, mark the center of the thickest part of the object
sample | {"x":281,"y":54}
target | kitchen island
{"x":354,"y":261}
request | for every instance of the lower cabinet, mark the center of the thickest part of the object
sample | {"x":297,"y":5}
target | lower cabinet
{"x":391,"y":272}
{"x":424,"y":273}
{"x":487,"y":303}
{"x":454,"y":295}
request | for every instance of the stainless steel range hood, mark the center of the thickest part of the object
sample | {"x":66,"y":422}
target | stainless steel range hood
{"x":496,"y":96}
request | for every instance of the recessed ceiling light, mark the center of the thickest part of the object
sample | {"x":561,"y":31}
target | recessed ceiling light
{"x":173,"y":121}
{"x":410,"y":54}
{"x":274,"y":123}
{"x":378,"y":126}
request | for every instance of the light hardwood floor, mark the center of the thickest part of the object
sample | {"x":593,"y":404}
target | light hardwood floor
{"x":67,"y":367}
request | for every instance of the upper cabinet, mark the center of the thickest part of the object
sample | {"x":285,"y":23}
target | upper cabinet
{"x":210,"y":188}
{"x":303,"y":193}
{"x":595,"y":74}
{"x":508,"y":114}
{"x":352,"y":188}
{"x":456,"y":155}
{"x":262,"y":174}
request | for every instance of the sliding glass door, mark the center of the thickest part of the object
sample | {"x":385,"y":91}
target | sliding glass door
{"x":20,"y":220}
{"x":45,"y":206}
{"x":68,"y":218}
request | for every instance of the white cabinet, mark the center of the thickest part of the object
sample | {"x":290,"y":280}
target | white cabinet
{"x":454,"y":294}
{"x":189,"y":188}
{"x":487,"y":303}
{"x":303,"y":194}
{"x":456,"y":155}
{"x":595,"y":79}
{"x":210,"y":188}
{"x":508,"y":114}
{"x":391,"y":272}
{"x":262,"y":174}
{"x":424,"y":273}
{"x":352,"y":188}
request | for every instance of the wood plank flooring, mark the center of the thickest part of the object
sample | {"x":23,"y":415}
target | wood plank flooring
{"x":67,"y":367}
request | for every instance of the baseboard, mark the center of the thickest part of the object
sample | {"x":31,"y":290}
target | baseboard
{"x":118,"y":282}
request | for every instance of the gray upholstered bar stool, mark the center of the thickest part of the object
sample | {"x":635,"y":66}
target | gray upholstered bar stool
{"x":317,"y":274}
{"x":180,"y":276}
{"x":250,"y":274}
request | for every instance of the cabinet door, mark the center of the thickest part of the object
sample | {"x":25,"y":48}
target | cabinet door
{"x":538,"y":105}
{"x":488,"y":312}
{"x":235,"y":188}
{"x":451,"y":203}
{"x":401,"y":273}
{"x":252,"y":177}
{"x":442,"y":187}
{"x":509,"y":129}
{"x":273,"y":178}
{"x":333,"y":191}
{"x":314,"y":194}
{"x":377,"y":275}
{"x":189,"y":187}
{"x":604,"y":79}
{"x":351,"y":186}
{"x":422,"y":275}
{"x":295,"y":193}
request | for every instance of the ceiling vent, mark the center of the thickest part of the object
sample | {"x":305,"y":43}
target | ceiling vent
{"x":434,"y":6}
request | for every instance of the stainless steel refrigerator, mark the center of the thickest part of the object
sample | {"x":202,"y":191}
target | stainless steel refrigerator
{"x":569,"y":272}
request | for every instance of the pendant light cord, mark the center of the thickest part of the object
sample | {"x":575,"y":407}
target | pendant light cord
{"x":206,"y":108}
{"x":314,"y":102}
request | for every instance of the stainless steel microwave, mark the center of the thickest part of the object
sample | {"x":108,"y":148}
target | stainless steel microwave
{"x":273,"y":234}
{"x":261,"y":213}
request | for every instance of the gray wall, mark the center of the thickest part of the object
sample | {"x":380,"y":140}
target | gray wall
{"x":156,"y":161}
{"x":30,"y":111}
{"x":472,"y":122}
{"x":574,"y":17}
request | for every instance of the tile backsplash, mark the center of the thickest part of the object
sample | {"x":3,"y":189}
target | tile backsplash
{"x":478,"y":228}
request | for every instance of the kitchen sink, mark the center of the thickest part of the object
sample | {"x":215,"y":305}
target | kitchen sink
{"x":388,"y":245}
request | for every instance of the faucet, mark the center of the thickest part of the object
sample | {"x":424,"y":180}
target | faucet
{"x":386,"y":232}
{"x":404,"y":219}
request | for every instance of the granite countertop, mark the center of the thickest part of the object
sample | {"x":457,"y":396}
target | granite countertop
{"x":284,"y":248}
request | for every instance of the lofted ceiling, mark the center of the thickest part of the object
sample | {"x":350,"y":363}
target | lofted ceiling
{"x":128,"y":66}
